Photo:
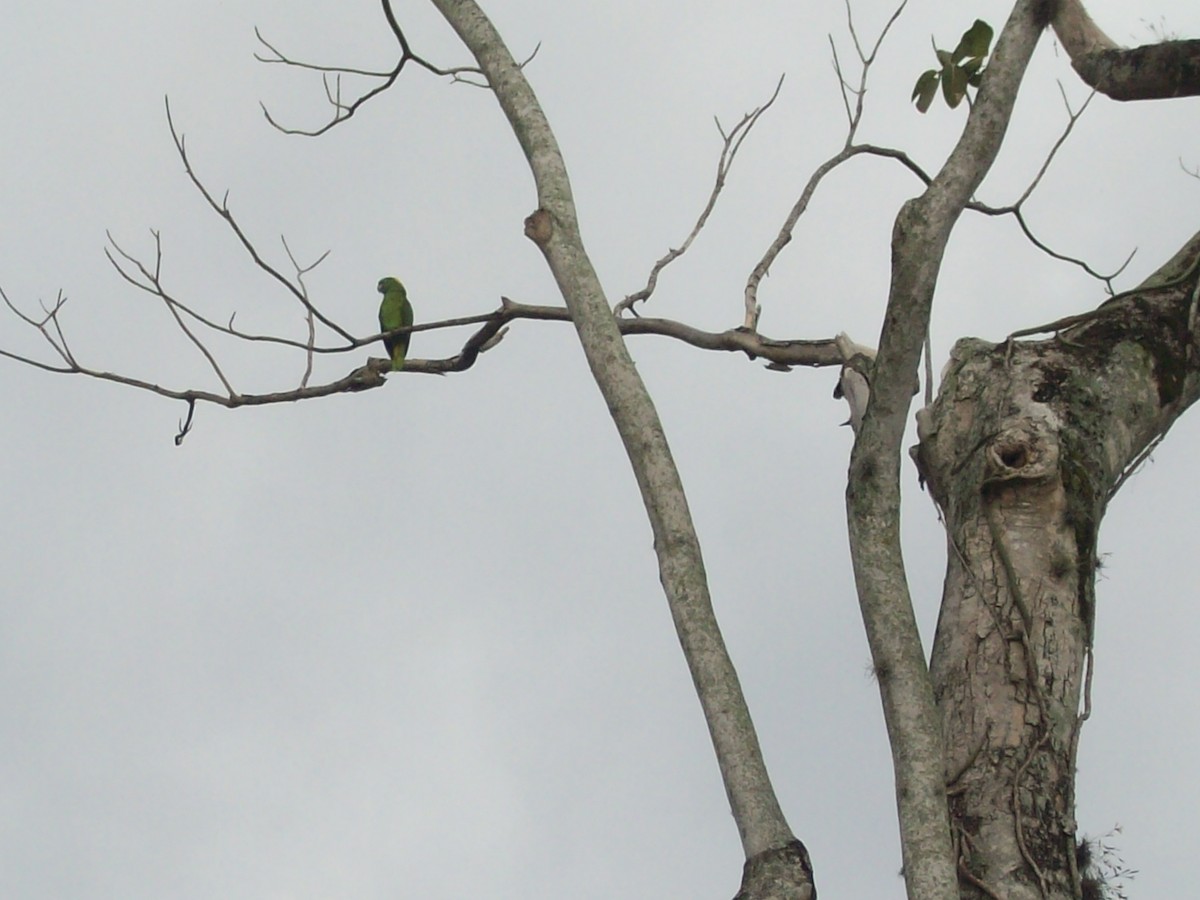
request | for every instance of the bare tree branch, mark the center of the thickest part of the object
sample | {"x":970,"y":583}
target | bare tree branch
{"x":331,"y":76}
{"x":854,"y":114}
{"x":51,"y":318}
{"x":752,"y":308}
{"x":277,"y":57}
{"x":154,"y":285}
{"x":731,"y":143}
{"x":1072,"y":117}
{"x":780,"y":355}
{"x":222,"y":209}
{"x":301,"y":271}
{"x":333,"y":92}
{"x":1015,"y":209}
{"x":854,"y":118}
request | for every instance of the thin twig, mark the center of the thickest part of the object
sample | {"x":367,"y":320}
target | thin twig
{"x":186,"y":425}
{"x":753,"y":310}
{"x":1072,"y":118}
{"x":277,"y":57}
{"x":1015,"y":210}
{"x":51,"y":318}
{"x":731,"y":143}
{"x":343,"y":111}
{"x":865,"y":61}
{"x":301,"y":271}
{"x":222,"y":209}
{"x":154,"y":285}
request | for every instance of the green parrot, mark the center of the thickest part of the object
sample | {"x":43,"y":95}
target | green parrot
{"x":394,"y":312}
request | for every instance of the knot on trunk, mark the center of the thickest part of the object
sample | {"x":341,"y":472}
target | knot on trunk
{"x":1022,"y":453}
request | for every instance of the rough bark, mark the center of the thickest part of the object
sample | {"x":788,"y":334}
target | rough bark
{"x":1023,"y":448}
{"x":772,"y":875}
{"x":1150,"y":72}
{"x":554,"y":229}
{"x":919,"y":238}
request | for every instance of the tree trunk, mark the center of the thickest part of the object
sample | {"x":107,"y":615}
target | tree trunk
{"x":919,"y":238}
{"x":1024,"y":446}
{"x":777,"y":866}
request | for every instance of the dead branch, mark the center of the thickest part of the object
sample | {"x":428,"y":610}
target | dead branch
{"x":780,"y":355}
{"x":854,"y":113}
{"x":331,"y":77}
{"x":222,"y":209}
{"x":42,"y":325}
{"x":854,"y":118}
{"x":731,"y":143}
{"x":153,"y":284}
{"x":309,"y":318}
{"x":1015,"y":209}
{"x":763,"y":267}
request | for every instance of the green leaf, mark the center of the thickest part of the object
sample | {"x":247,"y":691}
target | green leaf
{"x":975,"y":42}
{"x":954,"y":85}
{"x":926,"y":89}
{"x":958,"y":70}
{"x":971,"y":66}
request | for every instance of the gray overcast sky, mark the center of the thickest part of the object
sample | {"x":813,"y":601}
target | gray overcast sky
{"x":412,"y":643}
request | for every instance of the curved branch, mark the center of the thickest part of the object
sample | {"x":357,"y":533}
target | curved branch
{"x":731,"y":143}
{"x":753,"y":310}
{"x":343,"y":111}
{"x":222,"y":209}
{"x":1152,"y":72}
{"x":1015,"y":209}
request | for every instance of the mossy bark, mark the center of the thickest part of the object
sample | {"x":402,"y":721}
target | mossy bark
{"x":1024,"y":446}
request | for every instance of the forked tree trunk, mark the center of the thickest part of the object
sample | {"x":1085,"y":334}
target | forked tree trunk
{"x":1025,"y":445}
